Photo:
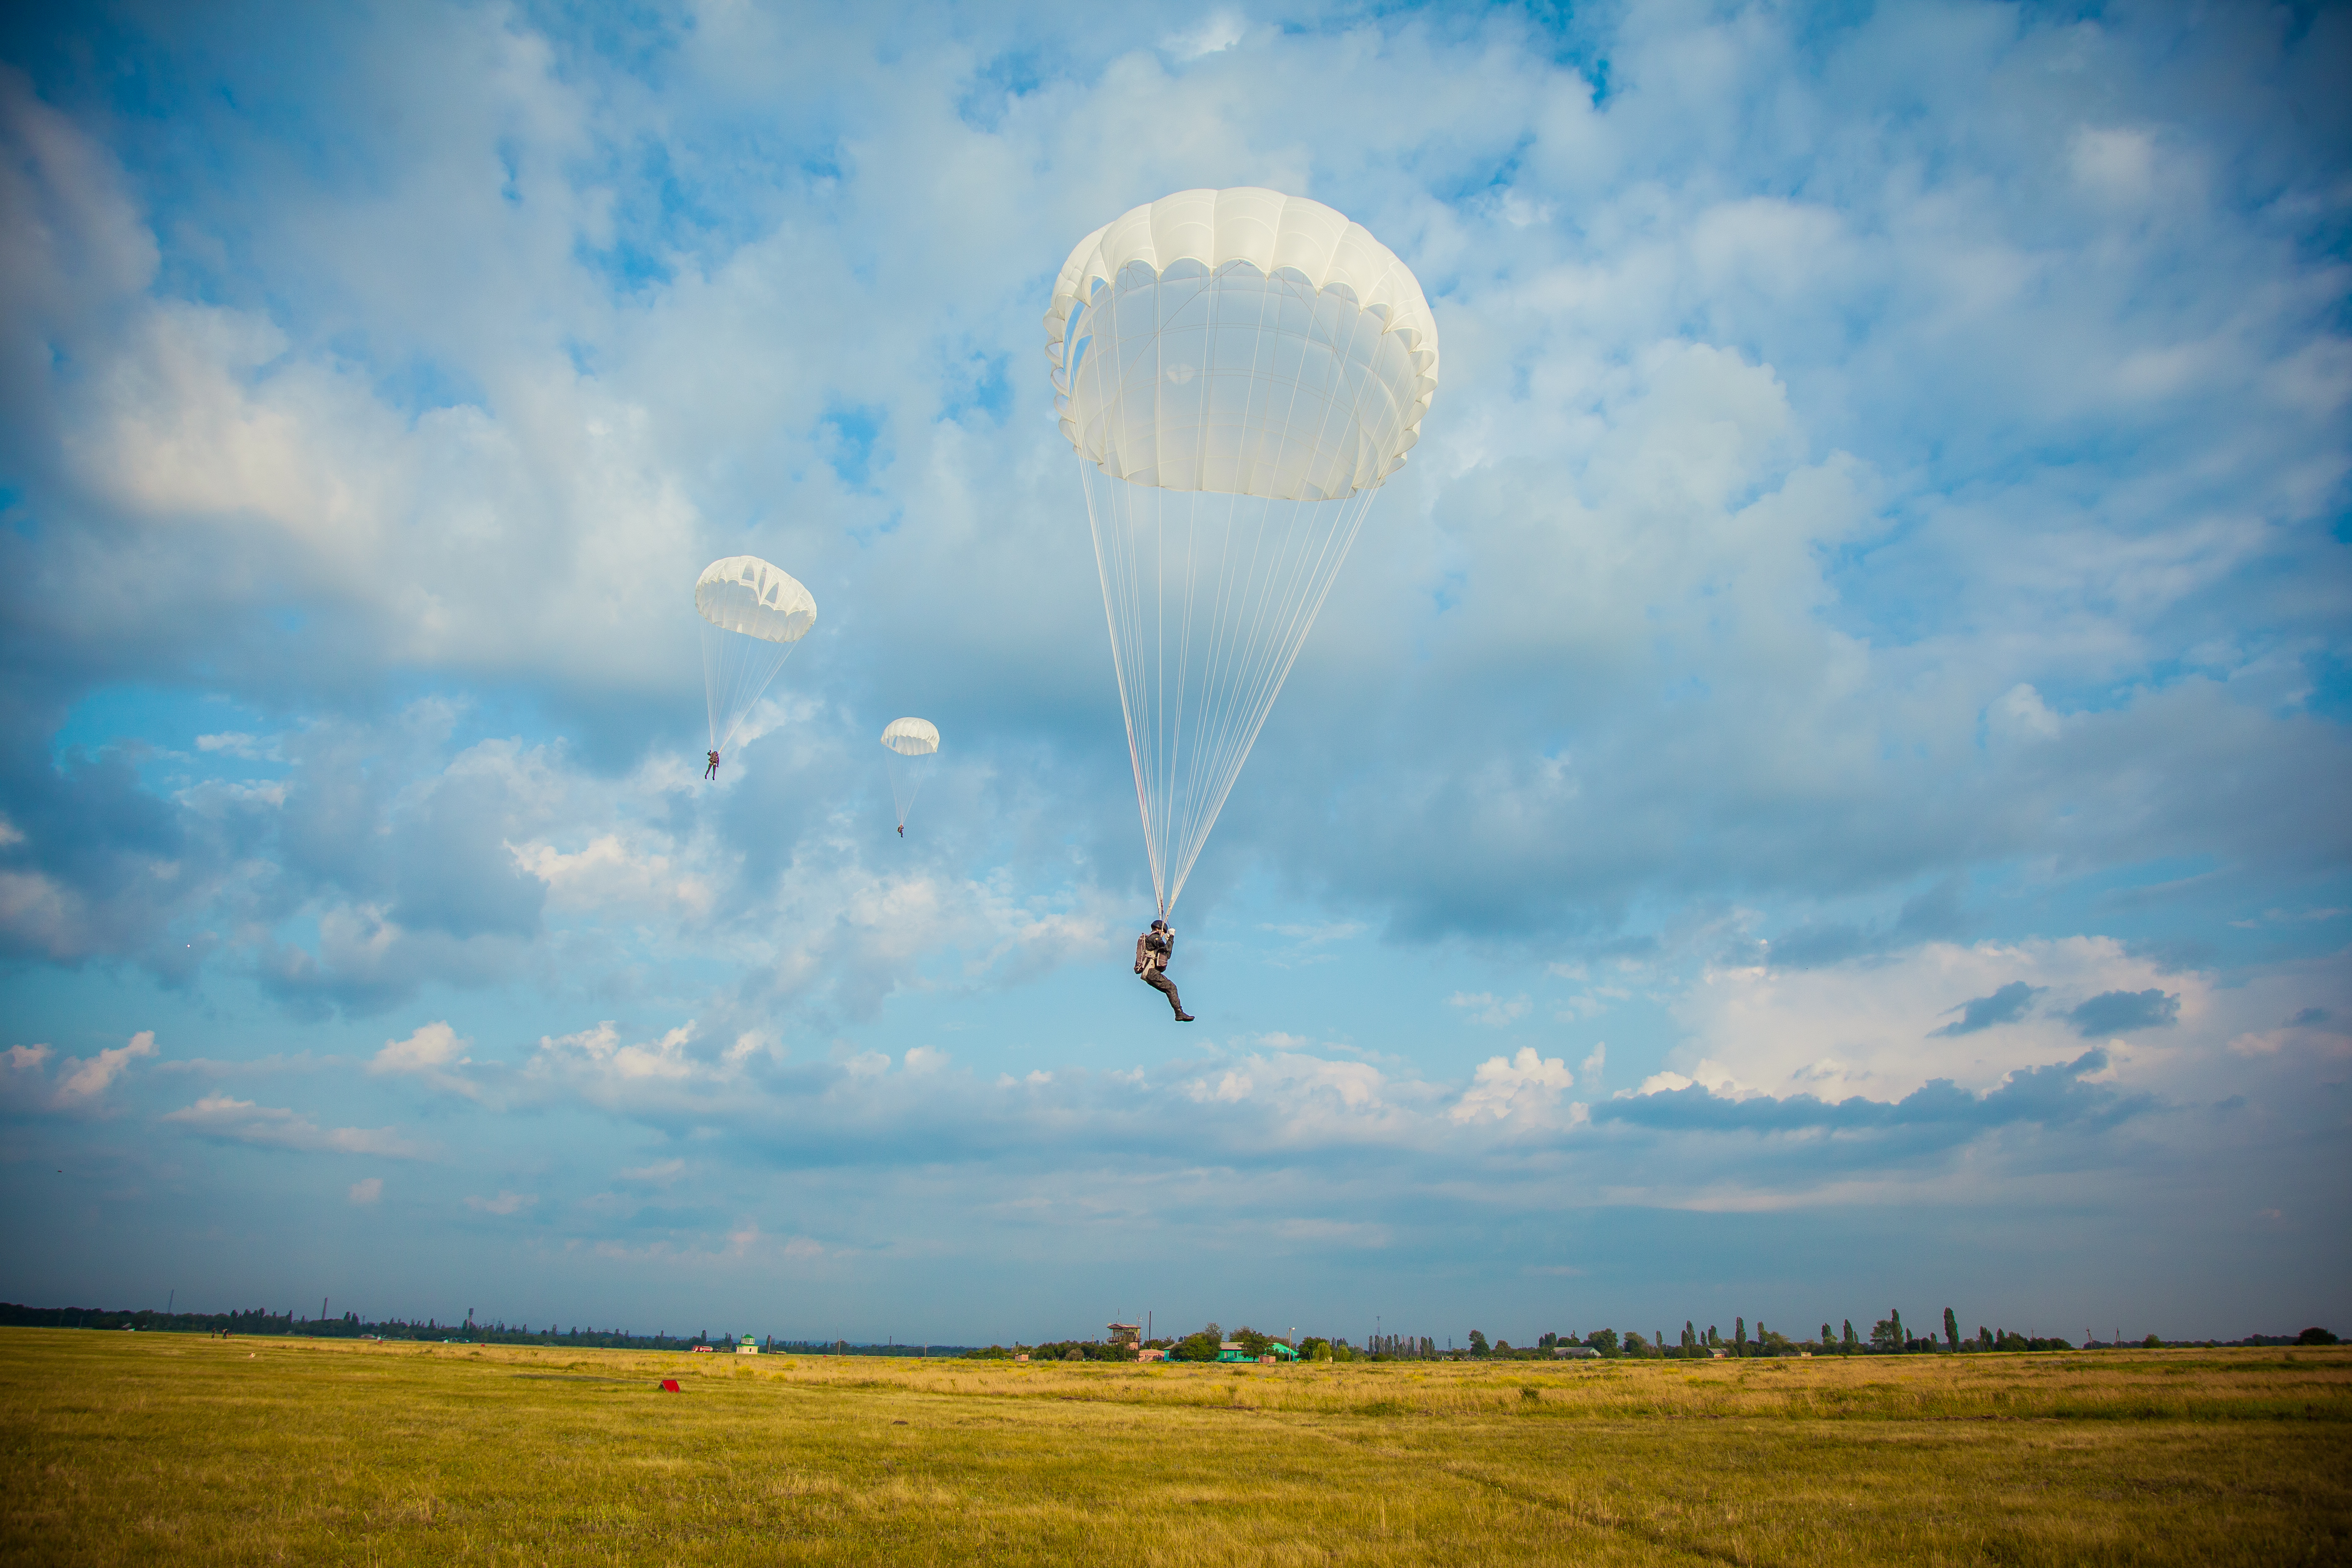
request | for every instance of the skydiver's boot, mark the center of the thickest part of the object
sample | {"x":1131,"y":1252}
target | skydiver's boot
{"x":1183,"y":1017}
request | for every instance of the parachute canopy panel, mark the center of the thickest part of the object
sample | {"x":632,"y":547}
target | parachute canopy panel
{"x":744,"y":593}
{"x":911,"y":737}
{"x":1241,"y":343}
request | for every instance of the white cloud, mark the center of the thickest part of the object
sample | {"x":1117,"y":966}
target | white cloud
{"x":1866,"y":1026}
{"x":365,"y":1191}
{"x":83,"y":1082}
{"x":1526,"y":1086}
{"x":243,"y":1121}
{"x":1485,"y":1007}
{"x":504,"y":1204}
{"x":430,"y":1053}
{"x":1216,"y":33}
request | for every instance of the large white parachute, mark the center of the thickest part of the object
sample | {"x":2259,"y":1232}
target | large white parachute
{"x":753,"y":614}
{"x":912,"y":744}
{"x":1238,"y":371}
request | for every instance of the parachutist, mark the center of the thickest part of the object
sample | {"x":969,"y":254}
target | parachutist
{"x":1154,"y":951}
{"x":712,"y":771}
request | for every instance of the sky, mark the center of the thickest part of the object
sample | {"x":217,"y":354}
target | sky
{"x":1820,"y":787}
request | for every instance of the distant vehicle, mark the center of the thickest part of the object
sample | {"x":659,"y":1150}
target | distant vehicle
{"x":1576,"y":1353}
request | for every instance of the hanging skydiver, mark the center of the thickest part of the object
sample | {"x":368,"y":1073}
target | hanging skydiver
{"x":712,"y":771}
{"x":1154,"y":951}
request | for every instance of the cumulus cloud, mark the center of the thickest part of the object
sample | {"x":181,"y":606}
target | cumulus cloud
{"x":431,"y":1053}
{"x":1524,"y":1085}
{"x":2050,"y":1094}
{"x":78,"y":1084}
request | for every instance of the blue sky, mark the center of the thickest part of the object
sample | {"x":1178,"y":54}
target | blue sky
{"x":1820,"y":787}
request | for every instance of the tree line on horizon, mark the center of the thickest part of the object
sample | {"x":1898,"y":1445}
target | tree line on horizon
{"x":1887,"y":1336}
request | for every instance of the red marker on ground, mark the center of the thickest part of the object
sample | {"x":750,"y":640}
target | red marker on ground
{"x":669,"y":1385}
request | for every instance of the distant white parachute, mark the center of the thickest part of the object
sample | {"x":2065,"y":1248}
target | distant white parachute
{"x":912,"y":744}
{"x":753,"y":614}
{"x":1239,"y":371}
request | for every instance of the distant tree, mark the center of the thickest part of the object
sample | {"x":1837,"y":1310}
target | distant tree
{"x":1895,"y":1316}
{"x":1984,"y":1338}
{"x":1603,"y":1340}
{"x":1546,"y":1342}
{"x":1714,"y":1340}
{"x":1848,"y":1344}
{"x":1201,"y":1346}
{"x":1739,"y":1336}
{"x":1951,"y":1329}
{"x":2152,"y":1342}
{"x":2316,"y":1336}
{"x":1477,"y":1342}
{"x":1690,"y":1336}
{"x":1828,"y":1339}
{"x":1635,"y":1344}
{"x":1886,"y":1334}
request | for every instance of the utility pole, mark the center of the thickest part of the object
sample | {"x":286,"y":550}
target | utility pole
{"x":323,"y":1309}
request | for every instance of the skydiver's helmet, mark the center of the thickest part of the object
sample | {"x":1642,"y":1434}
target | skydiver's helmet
{"x":1159,"y":925}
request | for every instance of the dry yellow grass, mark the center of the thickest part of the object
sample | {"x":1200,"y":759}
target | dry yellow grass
{"x":130,"y":1448}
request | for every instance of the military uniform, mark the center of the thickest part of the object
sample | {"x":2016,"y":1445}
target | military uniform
{"x":1154,"y":950}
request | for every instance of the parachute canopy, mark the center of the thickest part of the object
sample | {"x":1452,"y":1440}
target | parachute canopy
{"x":753,"y":613}
{"x":1242,"y":341}
{"x":744,"y":593}
{"x":1238,"y":372}
{"x":912,"y":744}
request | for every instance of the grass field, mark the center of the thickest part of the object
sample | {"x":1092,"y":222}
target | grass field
{"x":125,"y":1448}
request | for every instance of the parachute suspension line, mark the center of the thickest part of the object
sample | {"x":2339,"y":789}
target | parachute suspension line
{"x":1244,"y":579}
{"x":1269,"y":628}
{"x":1315,"y":359}
{"x":905,"y":782}
{"x":736,"y":669}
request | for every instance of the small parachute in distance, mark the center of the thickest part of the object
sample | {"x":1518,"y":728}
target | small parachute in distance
{"x":753,"y":614}
{"x":912,"y":744}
